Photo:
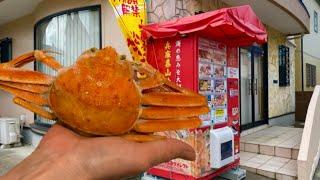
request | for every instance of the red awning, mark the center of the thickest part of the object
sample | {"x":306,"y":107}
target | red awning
{"x":234,"y":26}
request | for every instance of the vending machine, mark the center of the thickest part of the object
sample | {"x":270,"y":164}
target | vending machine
{"x":191,"y":52}
{"x":211,"y":69}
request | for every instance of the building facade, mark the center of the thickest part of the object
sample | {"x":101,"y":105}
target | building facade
{"x":272,"y":103}
{"x":308,"y":75}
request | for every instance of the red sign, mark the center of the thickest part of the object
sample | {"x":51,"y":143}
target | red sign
{"x":232,"y":56}
{"x":180,"y":69}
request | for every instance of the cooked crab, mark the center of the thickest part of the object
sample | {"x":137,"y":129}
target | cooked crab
{"x":102,"y":95}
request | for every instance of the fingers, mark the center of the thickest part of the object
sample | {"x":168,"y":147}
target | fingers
{"x":165,"y":150}
{"x":115,"y":157}
{"x":111,"y":157}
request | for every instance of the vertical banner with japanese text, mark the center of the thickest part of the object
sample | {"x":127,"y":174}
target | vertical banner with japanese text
{"x":131,"y":15}
{"x":233,"y":96}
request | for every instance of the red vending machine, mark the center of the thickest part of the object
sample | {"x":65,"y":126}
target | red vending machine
{"x":201,"y":53}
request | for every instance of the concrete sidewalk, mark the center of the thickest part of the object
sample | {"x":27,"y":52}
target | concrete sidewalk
{"x":12,"y":156}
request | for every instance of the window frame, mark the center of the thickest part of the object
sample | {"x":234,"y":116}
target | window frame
{"x":311,"y":75}
{"x":315,"y":22}
{"x":284,"y":66}
{"x":69,"y":11}
{"x":8,"y":41}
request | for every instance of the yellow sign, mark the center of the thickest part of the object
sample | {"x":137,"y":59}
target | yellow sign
{"x":219,"y":112}
{"x":167,"y":56}
{"x":131,"y":14}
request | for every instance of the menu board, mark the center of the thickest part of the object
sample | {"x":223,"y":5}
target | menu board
{"x":213,"y":79}
{"x":205,"y":70}
{"x":219,"y":71}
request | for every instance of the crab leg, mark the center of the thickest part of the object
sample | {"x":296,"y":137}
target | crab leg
{"x":29,"y":86}
{"x":35,"y":88}
{"x":34,"y":108}
{"x":153,"y":79}
{"x":172,"y":99}
{"x":31,"y":97}
{"x":142,"y":138}
{"x":158,"y":113}
{"x":166,"y":106}
{"x":9,"y":71}
{"x":24,"y":76}
{"x":46,"y":59}
{"x":32,"y":56}
{"x":149,"y":126}
{"x":19,"y":61}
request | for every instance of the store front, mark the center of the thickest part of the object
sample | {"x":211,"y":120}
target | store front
{"x":201,"y":53}
{"x":253,"y":86}
{"x":281,"y":99}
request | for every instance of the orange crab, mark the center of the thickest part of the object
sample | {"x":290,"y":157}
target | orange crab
{"x":102,"y":95}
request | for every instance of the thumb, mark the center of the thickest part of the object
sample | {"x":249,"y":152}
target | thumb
{"x":165,"y":150}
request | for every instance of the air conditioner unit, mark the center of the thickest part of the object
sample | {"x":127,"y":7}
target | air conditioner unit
{"x":221,"y":147}
{"x":9,"y":131}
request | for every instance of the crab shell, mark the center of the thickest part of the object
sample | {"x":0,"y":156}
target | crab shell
{"x":97,"y":95}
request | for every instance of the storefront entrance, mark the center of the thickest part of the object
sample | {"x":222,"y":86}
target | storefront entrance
{"x":254,"y":90}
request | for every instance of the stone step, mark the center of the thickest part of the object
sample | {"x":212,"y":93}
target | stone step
{"x":269,"y":166}
{"x":278,"y":151}
{"x":273,"y":141}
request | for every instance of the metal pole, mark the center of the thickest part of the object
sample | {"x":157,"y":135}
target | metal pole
{"x":302,"y":64}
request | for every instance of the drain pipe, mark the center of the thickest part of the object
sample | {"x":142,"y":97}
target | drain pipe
{"x":302,"y":64}
{"x":293,"y":37}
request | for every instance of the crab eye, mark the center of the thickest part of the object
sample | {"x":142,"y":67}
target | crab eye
{"x":141,"y":75}
{"x":123,"y":57}
{"x":93,"y":50}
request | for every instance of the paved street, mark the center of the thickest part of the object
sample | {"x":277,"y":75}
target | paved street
{"x":10,"y":157}
{"x":317,"y":173}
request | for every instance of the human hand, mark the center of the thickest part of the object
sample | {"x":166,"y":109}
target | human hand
{"x":63,"y":154}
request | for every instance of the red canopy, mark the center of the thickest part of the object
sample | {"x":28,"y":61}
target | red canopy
{"x":234,"y":26}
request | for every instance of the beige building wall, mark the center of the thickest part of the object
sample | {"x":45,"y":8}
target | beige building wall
{"x":159,"y":11}
{"x":312,"y":40}
{"x":281,"y":99}
{"x":298,"y":62}
{"x":311,"y":51}
{"x":307,"y":59}
{"x":21,"y":31}
{"x":310,"y":59}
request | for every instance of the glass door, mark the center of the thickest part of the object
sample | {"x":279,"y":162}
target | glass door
{"x":253,"y":82}
{"x":259,"y":91}
{"x":246,"y":87}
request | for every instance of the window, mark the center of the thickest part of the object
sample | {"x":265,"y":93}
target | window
{"x":315,"y":22}
{"x":5,"y":50}
{"x":68,"y":33}
{"x":311,"y":75}
{"x":284,"y":66}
